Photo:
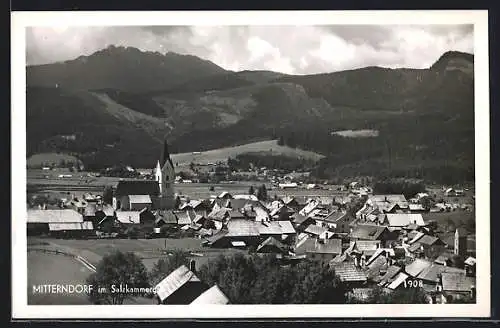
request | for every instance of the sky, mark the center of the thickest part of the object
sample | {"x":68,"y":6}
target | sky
{"x":286,"y":49}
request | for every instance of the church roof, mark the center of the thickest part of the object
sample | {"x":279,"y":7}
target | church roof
{"x":165,"y":155}
{"x":137,"y":187}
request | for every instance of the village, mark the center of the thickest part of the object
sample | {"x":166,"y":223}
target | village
{"x":370,"y":240}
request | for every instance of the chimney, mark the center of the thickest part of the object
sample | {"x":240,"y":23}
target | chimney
{"x":192,"y":266}
{"x":363,"y":260}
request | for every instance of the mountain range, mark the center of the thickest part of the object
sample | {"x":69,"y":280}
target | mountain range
{"x":120,"y":102}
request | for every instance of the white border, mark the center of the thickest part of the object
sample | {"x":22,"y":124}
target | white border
{"x":20,"y":309}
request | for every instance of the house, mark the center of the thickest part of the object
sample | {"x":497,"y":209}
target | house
{"x":397,"y":281}
{"x":78,"y":204}
{"x":400,"y":220}
{"x":182,"y":286}
{"x":430,"y":246}
{"x":291,"y":202}
{"x":135,"y":202}
{"x":470,"y":266}
{"x":126,"y":188}
{"x":225,"y":195}
{"x":128,"y":217}
{"x":416,"y":267}
{"x":105,"y":218}
{"x":389,"y":276}
{"x":56,"y":221}
{"x":165,"y":217}
{"x":278,"y":229}
{"x":365,"y":247}
{"x":431,"y":273}
{"x":340,"y":220}
{"x":456,"y":286}
{"x":416,"y":208}
{"x":460,"y":247}
{"x":315,"y":231}
{"x":318,"y":249}
{"x":272,"y":245}
{"x":90,"y":212}
{"x":372,"y":232}
{"x":301,"y":222}
{"x":350,"y":274}
{"x":388,"y":203}
{"x":213,"y":295}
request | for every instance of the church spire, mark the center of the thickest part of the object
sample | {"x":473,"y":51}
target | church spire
{"x":165,"y":155}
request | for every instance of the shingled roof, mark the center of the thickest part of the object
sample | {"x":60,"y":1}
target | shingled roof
{"x":348,"y":272}
{"x":367,"y":232}
{"x":174,"y":281}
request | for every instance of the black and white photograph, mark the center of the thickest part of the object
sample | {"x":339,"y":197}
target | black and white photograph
{"x":221,"y":164}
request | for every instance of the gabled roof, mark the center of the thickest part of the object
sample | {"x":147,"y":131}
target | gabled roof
{"x":242,"y":228}
{"x":430,"y":240}
{"x":54,"y":216}
{"x":366,"y":246}
{"x":432,"y":272}
{"x":272,"y":242}
{"x":174,"y":281}
{"x":416,"y":267}
{"x":184,"y":218}
{"x":335,"y":216}
{"x":375,"y":266}
{"x":212,"y":295}
{"x":137,"y":187}
{"x":414,"y":236}
{"x":328,"y":246}
{"x":367,"y":231}
{"x":470,"y":261}
{"x":391,"y":272}
{"x":87,"y":225}
{"x":398,"y":280}
{"x":246,"y":197}
{"x":139,"y":199}
{"x":128,"y":217}
{"x":220,"y":214}
{"x":348,"y":272}
{"x":275,"y":228}
{"x":315,"y":230}
{"x":166,"y":216}
{"x":90,"y":210}
{"x":298,"y":218}
{"x":404,"y":219}
{"x":289,"y":199}
{"x":456,"y":282}
{"x":224,"y":194}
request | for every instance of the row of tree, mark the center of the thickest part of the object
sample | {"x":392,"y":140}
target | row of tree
{"x":245,"y":279}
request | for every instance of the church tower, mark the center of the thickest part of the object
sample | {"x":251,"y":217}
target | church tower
{"x":166,"y":176}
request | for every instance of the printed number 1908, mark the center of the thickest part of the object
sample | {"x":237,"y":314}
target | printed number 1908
{"x":413,"y":283}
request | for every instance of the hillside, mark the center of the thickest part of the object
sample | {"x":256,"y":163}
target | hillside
{"x":122,"y":68}
{"x":222,"y":154}
{"x":424,"y":116}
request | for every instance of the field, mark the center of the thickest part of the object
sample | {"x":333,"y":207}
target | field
{"x":222,"y":154}
{"x":47,"y":159}
{"x":149,"y":250}
{"x":55,"y":269}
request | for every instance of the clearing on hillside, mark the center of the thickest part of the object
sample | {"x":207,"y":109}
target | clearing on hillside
{"x":47,"y":159}
{"x":222,"y":154}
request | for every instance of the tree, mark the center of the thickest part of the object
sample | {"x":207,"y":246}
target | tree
{"x":262,"y":280}
{"x":281,"y":141}
{"x":177,"y":202}
{"x":262,"y":192}
{"x":167,"y":265}
{"x":251,"y":190}
{"x":399,"y":296}
{"x":114,"y":270}
{"x":107,"y":196}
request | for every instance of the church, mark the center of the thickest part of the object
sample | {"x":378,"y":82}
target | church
{"x":156,"y":195}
